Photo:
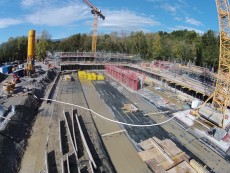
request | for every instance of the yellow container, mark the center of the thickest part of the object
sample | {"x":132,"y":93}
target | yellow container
{"x":31,"y":44}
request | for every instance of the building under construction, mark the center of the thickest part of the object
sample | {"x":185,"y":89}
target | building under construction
{"x":89,"y":112}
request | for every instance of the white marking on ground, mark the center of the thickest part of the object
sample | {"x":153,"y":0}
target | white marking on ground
{"x":135,"y":117}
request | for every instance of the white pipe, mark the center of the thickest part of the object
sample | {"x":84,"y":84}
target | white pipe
{"x":114,"y":121}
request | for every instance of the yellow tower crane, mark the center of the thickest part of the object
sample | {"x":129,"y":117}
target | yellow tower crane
{"x":221,"y":95}
{"x":96,"y":13}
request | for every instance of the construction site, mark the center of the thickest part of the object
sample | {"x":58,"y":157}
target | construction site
{"x":86,"y":112}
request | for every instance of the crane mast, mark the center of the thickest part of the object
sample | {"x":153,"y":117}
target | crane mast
{"x":221,"y":95}
{"x":96,"y":13}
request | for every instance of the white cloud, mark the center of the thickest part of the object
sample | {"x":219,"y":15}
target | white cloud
{"x":188,"y":28}
{"x":170,"y":8}
{"x":177,"y":18}
{"x":60,"y":16}
{"x":4,"y":23}
{"x":192,"y":21}
{"x":183,"y":3}
{"x":126,"y":20}
{"x":30,"y":3}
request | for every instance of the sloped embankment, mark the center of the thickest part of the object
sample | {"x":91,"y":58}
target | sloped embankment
{"x":2,"y":77}
{"x":14,"y":137}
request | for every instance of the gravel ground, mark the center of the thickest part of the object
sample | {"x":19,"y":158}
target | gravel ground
{"x":14,"y":137}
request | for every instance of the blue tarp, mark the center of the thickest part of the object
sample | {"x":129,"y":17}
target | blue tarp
{"x":4,"y":69}
{"x":9,"y":68}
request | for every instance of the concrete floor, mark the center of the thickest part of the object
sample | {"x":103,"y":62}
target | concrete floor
{"x":108,"y":101}
{"x":33,"y":160}
{"x":121,"y":151}
{"x":185,"y":139}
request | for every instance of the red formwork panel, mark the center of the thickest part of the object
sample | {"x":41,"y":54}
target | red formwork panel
{"x":125,"y":76}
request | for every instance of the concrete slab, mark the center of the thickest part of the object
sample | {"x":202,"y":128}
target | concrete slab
{"x":33,"y":160}
{"x":121,"y":151}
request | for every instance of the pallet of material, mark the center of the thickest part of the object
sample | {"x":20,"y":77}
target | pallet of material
{"x":169,"y":147}
{"x":162,"y":156}
{"x":146,"y":144}
{"x":176,"y":160}
{"x":152,"y":153}
{"x":130,"y":108}
{"x":152,"y":164}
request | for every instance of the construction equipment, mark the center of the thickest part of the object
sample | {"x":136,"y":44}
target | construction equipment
{"x":30,"y":53}
{"x":221,"y":96}
{"x":96,"y":13}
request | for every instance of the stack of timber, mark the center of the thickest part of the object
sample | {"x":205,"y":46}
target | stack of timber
{"x":129,"y":108}
{"x":165,"y":157}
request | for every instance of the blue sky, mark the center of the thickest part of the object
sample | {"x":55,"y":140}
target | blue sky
{"x":62,"y":18}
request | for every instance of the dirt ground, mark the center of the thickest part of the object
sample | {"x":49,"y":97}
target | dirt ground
{"x":14,"y":136}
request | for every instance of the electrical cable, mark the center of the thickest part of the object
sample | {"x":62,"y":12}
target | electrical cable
{"x":103,"y":117}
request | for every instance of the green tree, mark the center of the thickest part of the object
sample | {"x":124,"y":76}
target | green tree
{"x":41,"y":49}
{"x":157,"y":47}
{"x":210,"y":49}
{"x":43,"y":45}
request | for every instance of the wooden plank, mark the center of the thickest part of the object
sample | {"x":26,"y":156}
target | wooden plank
{"x":152,"y":153}
{"x":196,"y":166}
{"x":74,"y":132}
{"x":162,"y":152}
{"x":67,"y":162}
{"x":46,"y":162}
{"x":152,"y":164}
{"x":170,"y":147}
{"x":85,"y":143}
{"x":62,"y":166}
{"x":177,"y":160}
{"x":146,"y":144}
{"x":70,"y":136}
{"x":60,"y":137}
{"x":182,"y":168}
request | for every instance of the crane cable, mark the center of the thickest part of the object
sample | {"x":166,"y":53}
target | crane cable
{"x":108,"y":119}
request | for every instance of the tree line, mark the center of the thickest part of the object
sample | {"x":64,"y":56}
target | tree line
{"x":179,"y":46}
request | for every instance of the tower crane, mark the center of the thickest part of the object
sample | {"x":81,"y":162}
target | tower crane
{"x":96,"y":13}
{"x":221,"y":95}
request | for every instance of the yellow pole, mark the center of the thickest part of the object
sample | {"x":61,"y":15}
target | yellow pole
{"x":30,"y":52}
